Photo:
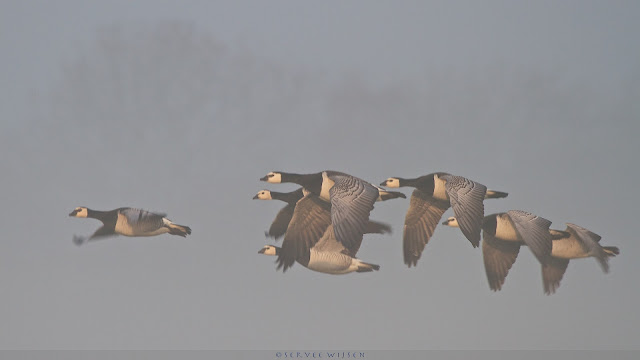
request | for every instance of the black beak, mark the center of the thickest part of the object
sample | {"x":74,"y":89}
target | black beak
{"x":262,"y":251}
{"x":73,"y":213}
{"x":445,"y":222}
{"x":264,"y":178}
{"x":255,"y":197}
{"x":384,"y":183}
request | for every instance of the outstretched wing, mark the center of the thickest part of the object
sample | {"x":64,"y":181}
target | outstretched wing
{"x":552,"y":273}
{"x":423,"y":216}
{"x":534,"y":231}
{"x":498,"y":256}
{"x":352,"y":200}
{"x":466,"y":199}
{"x":310,"y":220}
{"x":281,"y":222}
{"x":590,"y":243}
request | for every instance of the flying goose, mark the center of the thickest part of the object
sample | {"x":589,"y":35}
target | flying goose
{"x":128,"y":222}
{"x":280,"y":223}
{"x":433,"y":195}
{"x":580,"y":243}
{"x":327,"y":256}
{"x":503,"y":233}
{"x":311,"y":228}
{"x":351,"y":199}
{"x":574,"y":242}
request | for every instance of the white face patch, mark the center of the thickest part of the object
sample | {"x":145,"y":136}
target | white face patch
{"x":274,"y":178}
{"x":80,"y":212}
{"x":452,"y":221}
{"x":392,"y":183}
{"x":264,"y":195}
{"x":268,"y":250}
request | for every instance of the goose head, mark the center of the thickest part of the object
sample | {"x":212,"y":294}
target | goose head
{"x":451,"y":221}
{"x":391,"y":182}
{"x":81,"y":212}
{"x":263,"y":195}
{"x":273,"y":177}
{"x":269,"y":250}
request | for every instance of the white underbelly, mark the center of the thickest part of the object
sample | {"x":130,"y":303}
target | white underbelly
{"x":124,"y":228}
{"x":330,"y":263}
{"x":568,"y":248}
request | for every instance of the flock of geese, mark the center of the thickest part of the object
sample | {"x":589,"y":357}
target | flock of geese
{"x":325,"y":220}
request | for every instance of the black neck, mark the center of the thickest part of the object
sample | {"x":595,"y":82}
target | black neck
{"x":423,"y":182}
{"x":490,"y":223}
{"x":289,"y":197}
{"x":100,"y":215}
{"x":311,"y":182}
{"x":298,"y":178}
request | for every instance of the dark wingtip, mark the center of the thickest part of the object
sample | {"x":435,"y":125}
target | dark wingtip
{"x":79,"y":240}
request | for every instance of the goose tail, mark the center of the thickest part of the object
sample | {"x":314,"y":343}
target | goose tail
{"x":388,"y":195}
{"x":180,"y":230}
{"x":366,"y":267}
{"x":374,"y":227}
{"x":611,"y":250}
{"x":492,"y":194}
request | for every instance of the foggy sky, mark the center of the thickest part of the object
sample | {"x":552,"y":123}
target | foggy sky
{"x":180,"y":107}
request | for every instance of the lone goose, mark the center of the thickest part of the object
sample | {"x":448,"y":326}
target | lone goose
{"x":503,"y":233}
{"x":310,"y":227}
{"x":351,"y":199}
{"x":574,"y":242}
{"x":129,"y":222}
{"x":434,"y":194}
{"x":280,"y":223}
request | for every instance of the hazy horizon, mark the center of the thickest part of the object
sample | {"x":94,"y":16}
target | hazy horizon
{"x":180,"y":107}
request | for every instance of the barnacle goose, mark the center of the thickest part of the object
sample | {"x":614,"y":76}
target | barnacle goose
{"x":351,"y":199}
{"x":310,"y":240}
{"x":433,"y":195}
{"x":280,"y":223}
{"x":128,"y":222}
{"x":574,"y":242}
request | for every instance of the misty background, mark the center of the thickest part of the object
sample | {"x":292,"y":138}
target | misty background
{"x":180,"y":106}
